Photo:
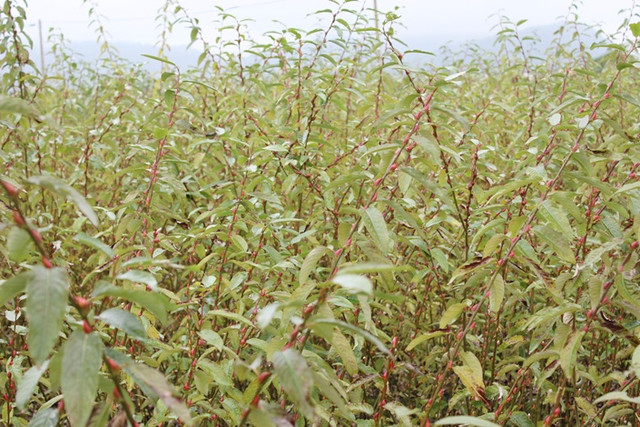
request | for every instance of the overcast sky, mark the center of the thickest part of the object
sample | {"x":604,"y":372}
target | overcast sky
{"x":134,"y":20}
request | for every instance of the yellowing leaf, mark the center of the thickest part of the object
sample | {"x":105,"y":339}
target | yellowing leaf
{"x":497,"y":294}
{"x":344,"y":350}
{"x":569,"y":353}
{"x":451,"y":314}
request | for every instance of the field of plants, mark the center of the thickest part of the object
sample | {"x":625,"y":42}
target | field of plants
{"x":321,"y":228}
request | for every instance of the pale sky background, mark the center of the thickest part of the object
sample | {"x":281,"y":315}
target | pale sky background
{"x":134,"y":20}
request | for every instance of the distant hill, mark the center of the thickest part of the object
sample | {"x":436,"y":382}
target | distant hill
{"x":187,"y":58}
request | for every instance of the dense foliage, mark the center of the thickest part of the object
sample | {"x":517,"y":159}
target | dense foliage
{"x":313,"y":229}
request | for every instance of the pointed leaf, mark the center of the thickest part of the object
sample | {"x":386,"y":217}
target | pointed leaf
{"x":94,"y":243}
{"x":344,"y":350}
{"x":497,"y":294}
{"x":465,"y":420}
{"x":310,"y":262}
{"x":125,"y":321}
{"x":451,"y":314}
{"x":150,"y":379}
{"x":346,"y":326}
{"x":354,"y":283}
{"x":569,"y":353}
{"x":18,"y":243}
{"x":377,"y":227}
{"x":216,"y":373}
{"x":557,"y":241}
{"x":138,"y":276}
{"x":47,"y":291}
{"x":28,"y":383}
{"x":58,"y":186}
{"x":47,"y":417}
{"x":212,"y":338}
{"x":556,"y":218}
{"x":295,"y":378}
{"x":14,"y":286}
{"x":80,"y":367}
{"x":422,"y":338}
{"x":154,"y":302}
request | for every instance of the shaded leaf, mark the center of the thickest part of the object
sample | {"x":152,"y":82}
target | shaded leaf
{"x":80,"y":366}
{"x":451,"y":314}
{"x":497,"y":294}
{"x":569,"y":353}
{"x":47,"y":291}
{"x":18,"y":243}
{"x":150,"y":379}
{"x":346,"y":326}
{"x":344,"y":350}
{"x":422,"y":338}
{"x":295,"y":378}
{"x":94,"y":243}
{"x":61,"y":188}
{"x":28,"y":383}
{"x":310,"y":262}
{"x":154,"y":302}
{"x":47,"y":417}
{"x":377,"y":227}
{"x":14,"y":286}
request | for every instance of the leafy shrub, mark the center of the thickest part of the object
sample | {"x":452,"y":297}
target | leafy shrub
{"x":315,"y":228}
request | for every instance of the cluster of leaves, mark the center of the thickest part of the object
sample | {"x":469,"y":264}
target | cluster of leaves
{"x":312,"y":228}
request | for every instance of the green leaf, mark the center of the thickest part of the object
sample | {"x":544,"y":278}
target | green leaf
{"x":125,"y":321}
{"x":94,"y":243}
{"x":377,"y":227}
{"x":354,"y":283}
{"x":422,"y":338}
{"x":215,"y":371}
{"x":150,"y":379}
{"x":154,"y":302}
{"x":18,"y":243}
{"x":47,"y":417}
{"x":138,"y":276}
{"x":16,"y":105}
{"x":47,"y":292}
{"x":344,"y":350}
{"x":628,"y":187}
{"x":157,"y":58}
{"x":497,"y":294}
{"x":310,"y":262}
{"x":296,"y":378}
{"x":80,"y":367}
{"x":212,"y":338}
{"x":469,"y":267}
{"x":346,"y":326}
{"x":595,"y":255}
{"x":61,"y":188}
{"x":28,"y":383}
{"x":557,"y":241}
{"x":465,"y":420}
{"x":231,"y":316}
{"x":371,"y":267}
{"x":14,"y":286}
{"x":556,"y":218}
{"x":635,"y":29}
{"x":569,"y":353}
{"x":451,"y":314}
{"x":618,"y":395}
{"x":521,"y":419}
